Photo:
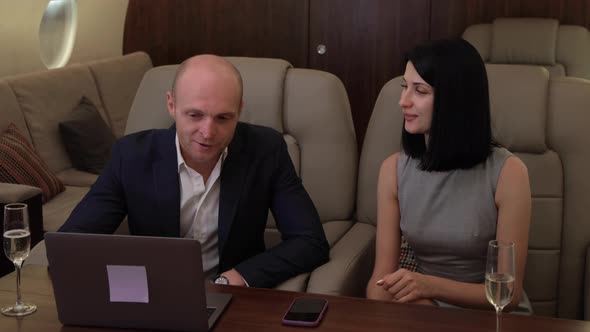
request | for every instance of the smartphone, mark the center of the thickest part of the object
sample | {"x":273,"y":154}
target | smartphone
{"x":305,"y":311}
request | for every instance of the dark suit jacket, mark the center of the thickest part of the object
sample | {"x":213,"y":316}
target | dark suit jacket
{"x":141,"y":181}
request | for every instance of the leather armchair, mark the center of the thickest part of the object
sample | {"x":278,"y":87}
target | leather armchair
{"x":311,"y":109}
{"x":544,"y":121}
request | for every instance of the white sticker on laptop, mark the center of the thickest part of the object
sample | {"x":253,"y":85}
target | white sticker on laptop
{"x":128,"y":283}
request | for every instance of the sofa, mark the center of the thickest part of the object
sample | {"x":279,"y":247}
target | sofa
{"x":545,"y":124}
{"x":37,"y":102}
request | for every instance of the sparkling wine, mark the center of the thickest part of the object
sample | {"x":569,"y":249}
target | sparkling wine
{"x":499,"y":289}
{"x":17,"y":243}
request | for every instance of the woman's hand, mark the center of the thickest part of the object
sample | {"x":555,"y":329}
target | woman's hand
{"x":407,"y":287}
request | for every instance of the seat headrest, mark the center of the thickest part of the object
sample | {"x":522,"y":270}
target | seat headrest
{"x":524,"y":41}
{"x":264,"y":81}
{"x":149,"y":109}
{"x":518,"y":98}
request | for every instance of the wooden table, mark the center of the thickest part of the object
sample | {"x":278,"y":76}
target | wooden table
{"x":262,"y":309}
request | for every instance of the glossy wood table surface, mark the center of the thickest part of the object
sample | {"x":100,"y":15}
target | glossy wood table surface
{"x":262,"y":310}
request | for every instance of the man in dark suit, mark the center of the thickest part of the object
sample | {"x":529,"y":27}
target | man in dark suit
{"x":212,"y":178}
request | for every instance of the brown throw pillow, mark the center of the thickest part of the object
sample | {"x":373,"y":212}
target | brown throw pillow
{"x":20,"y":164}
{"x":86,"y":137}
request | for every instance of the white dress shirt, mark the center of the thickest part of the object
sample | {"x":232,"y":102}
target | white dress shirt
{"x":199,"y":209}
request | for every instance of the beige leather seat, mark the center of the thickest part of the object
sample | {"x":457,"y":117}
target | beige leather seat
{"x":311,"y":109}
{"x":563,"y":49}
{"x":545,"y":122}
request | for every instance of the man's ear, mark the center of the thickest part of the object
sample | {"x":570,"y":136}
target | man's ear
{"x":241,"y":107}
{"x":170,"y":104}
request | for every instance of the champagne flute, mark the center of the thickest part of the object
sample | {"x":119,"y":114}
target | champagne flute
{"x":500,"y":275}
{"x":17,"y":243}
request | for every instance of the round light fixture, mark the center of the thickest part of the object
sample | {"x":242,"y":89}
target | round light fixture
{"x":57,"y":32}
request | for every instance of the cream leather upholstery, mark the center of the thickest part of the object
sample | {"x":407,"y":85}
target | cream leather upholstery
{"x":544,"y":121}
{"x":563,"y":49}
{"x":311,"y":109}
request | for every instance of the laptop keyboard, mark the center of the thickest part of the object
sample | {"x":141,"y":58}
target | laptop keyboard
{"x":210,"y":311}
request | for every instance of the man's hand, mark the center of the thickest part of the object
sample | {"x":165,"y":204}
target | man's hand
{"x":234,"y":277}
{"x":407,"y":286}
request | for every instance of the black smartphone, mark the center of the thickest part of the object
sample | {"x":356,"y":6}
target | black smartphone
{"x":305,"y":311}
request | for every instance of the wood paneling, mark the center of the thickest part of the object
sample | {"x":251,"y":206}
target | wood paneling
{"x":449,"y":18}
{"x":365,"y":39}
{"x":365,"y":42}
{"x":146,"y":29}
{"x":576,"y":12}
{"x":171,"y":31}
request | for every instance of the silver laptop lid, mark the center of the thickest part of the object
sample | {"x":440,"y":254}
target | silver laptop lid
{"x":128,"y":281}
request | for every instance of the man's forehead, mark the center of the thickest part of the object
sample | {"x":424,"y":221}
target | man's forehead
{"x":210,"y":66}
{"x":199,"y":76}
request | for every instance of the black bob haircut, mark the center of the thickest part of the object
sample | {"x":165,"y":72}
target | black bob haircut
{"x":460,"y":135}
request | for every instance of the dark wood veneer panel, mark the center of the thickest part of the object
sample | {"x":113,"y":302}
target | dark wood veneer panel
{"x":171,"y":31}
{"x":365,"y":39}
{"x":365,"y":43}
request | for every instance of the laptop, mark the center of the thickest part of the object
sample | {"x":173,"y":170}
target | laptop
{"x":127,"y":281}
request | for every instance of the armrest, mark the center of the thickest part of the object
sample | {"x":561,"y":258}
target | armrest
{"x":587,"y":286}
{"x":76,"y":178}
{"x":12,"y":193}
{"x":350,"y":266}
{"x":296,"y":284}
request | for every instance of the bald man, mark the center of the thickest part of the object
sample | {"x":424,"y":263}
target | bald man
{"x":212,"y":178}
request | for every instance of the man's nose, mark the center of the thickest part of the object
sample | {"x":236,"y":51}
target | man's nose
{"x":208,"y":129}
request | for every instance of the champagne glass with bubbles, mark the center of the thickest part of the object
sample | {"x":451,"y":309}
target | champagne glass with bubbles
{"x":500,"y":275}
{"x":17,"y":243}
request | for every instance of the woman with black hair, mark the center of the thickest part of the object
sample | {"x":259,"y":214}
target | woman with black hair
{"x":451,"y":189}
